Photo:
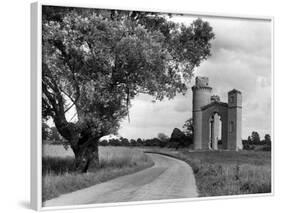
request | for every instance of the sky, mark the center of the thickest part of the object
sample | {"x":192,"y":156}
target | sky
{"x":241,"y":59}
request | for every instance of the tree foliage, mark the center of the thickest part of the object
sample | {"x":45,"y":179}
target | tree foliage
{"x":253,"y":142}
{"x":179,"y":139}
{"x":267,"y":139}
{"x":163,"y":137}
{"x":255,"y":137}
{"x":188,"y":127}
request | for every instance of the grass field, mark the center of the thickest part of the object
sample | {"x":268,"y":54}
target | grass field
{"x":219,"y":173}
{"x":58,"y":170}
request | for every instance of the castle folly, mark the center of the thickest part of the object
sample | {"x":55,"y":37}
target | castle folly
{"x":208,"y":111}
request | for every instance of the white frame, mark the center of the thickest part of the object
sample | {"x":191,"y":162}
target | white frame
{"x":36,"y":92}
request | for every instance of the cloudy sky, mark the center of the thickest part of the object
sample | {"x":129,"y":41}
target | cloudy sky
{"x":241,"y":59}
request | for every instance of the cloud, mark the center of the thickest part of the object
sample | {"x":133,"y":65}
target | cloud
{"x":147,"y":119}
{"x":183,"y":103}
{"x":242,"y":35}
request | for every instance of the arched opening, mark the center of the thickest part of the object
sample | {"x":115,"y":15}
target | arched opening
{"x":215,"y":131}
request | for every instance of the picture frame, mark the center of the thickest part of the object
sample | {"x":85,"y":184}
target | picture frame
{"x":36,"y":108}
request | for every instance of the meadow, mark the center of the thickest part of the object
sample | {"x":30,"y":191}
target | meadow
{"x":221,"y":173}
{"x":59,"y":176}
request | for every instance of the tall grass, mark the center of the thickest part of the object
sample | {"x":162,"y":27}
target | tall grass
{"x":220,"y":173}
{"x":59,"y":176}
{"x":232,"y":179}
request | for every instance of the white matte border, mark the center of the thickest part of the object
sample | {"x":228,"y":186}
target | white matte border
{"x":36,"y":105}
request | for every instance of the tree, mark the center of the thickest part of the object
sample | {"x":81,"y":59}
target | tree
{"x":103,"y":143}
{"x":45,"y":131}
{"x":267,"y":139}
{"x":139,"y":142}
{"x":54,"y":134}
{"x":155,"y":142}
{"x":249,"y":140}
{"x":188,"y":130}
{"x":188,"y":127}
{"x":255,"y":138}
{"x":124,"y":141}
{"x":96,"y":62}
{"x":133,"y":142}
{"x":178,"y":139}
{"x":164,"y":139}
{"x":114,"y":142}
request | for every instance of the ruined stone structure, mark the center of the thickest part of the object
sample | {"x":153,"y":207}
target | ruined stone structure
{"x":209,"y":112}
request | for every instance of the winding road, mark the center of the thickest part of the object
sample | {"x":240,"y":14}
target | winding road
{"x":169,"y":178}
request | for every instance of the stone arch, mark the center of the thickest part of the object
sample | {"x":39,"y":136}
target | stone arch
{"x":207,"y":112}
{"x":215,"y":130}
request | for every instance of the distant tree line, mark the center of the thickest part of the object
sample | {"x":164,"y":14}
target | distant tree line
{"x":178,"y":139}
{"x":161,"y":142}
{"x":255,"y":140}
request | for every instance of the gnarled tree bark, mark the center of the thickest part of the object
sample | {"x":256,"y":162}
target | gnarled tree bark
{"x":86,"y":153}
{"x":83,"y":144}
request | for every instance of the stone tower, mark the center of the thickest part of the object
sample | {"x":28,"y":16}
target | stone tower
{"x":201,"y":97}
{"x":234,"y":120}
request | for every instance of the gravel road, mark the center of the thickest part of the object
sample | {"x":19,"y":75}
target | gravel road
{"x":169,"y":178}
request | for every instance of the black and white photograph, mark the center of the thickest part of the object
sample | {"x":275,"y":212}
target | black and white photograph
{"x":141,"y":106}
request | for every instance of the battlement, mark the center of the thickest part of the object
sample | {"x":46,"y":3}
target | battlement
{"x":235,"y":98}
{"x":215,"y":98}
{"x":201,"y":88}
{"x":201,"y":81}
{"x":234,"y":91}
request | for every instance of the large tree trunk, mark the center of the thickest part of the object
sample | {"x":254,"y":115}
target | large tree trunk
{"x":86,"y":153}
{"x":83,"y":142}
